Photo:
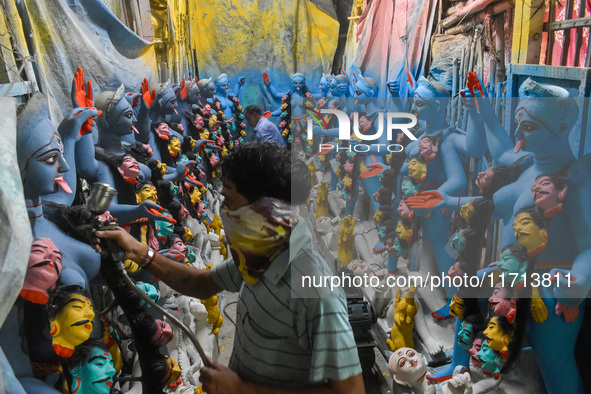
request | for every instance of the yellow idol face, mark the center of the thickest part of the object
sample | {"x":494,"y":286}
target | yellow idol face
{"x":528,"y":233}
{"x":456,"y":307}
{"x":174,"y":370}
{"x":174,"y":146}
{"x":74,"y":322}
{"x":417,"y":170}
{"x":467,"y":211}
{"x":148,"y":192}
{"x":403,"y":231}
{"x":497,"y":340}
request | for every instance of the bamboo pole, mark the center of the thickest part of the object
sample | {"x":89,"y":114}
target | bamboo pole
{"x":20,"y":41}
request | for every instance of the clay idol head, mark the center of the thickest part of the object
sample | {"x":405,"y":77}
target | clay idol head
{"x":549,"y":193}
{"x":40,"y":151}
{"x":70,"y":314}
{"x":408,"y":366}
{"x":530,"y":230}
{"x":90,"y":370}
{"x":544,"y":117}
{"x":43,"y":270}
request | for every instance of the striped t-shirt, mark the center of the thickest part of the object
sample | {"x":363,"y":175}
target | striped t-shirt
{"x":283,"y":341}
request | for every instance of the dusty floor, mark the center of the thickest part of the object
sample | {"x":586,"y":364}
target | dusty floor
{"x":226,"y":334}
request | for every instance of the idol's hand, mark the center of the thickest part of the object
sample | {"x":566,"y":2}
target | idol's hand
{"x":428,"y":200}
{"x":74,"y":123}
{"x":172,"y":254}
{"x":539,"y":312}
{"x":150,"y":210}
{"x":373,"y":170}
{"x":394,"y":88}
{"x":132,"y":98}
{"x":83,"y":97}
{"x":184,"y":90}
{"x":570,"y":313}
{"x":147,"y":97}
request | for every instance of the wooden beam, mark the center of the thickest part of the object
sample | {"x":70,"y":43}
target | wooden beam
{"x":528,"y":25}
{"x":551,"y":35}
{"x":566,"y":35}
{"x":146,"y":18}
{"x":568,"y":24}
{"x":579,"y":36}
{"x":17,"y":89}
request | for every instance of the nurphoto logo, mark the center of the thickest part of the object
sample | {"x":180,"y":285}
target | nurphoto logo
{"x":394,"y":121}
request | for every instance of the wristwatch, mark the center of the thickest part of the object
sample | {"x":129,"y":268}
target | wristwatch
{"x":149,"y":258}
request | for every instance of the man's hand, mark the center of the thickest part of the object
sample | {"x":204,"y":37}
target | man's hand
{"x":219,"y":379}
{"x":133,"y":249}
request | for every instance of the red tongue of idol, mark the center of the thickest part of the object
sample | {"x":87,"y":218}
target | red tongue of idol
{"x":518,"y":146}
{"x":61,"y":182}
{"x":134,"y":129}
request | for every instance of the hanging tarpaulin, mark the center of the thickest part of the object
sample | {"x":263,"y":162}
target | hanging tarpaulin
{"x":392,"y":37}
{"x":67,"y":34}
{"x":232,"y":36}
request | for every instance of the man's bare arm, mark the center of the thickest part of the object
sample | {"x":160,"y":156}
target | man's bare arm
{"x":181,"y":277}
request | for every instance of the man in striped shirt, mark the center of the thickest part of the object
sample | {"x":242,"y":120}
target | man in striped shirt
{"x":282,"y":343}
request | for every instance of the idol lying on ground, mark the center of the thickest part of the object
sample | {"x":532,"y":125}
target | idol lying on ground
{"x":544,"y":118}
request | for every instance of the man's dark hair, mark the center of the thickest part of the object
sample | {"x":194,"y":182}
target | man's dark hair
{"x":264,"y":169}
{"x":253,"y":109}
